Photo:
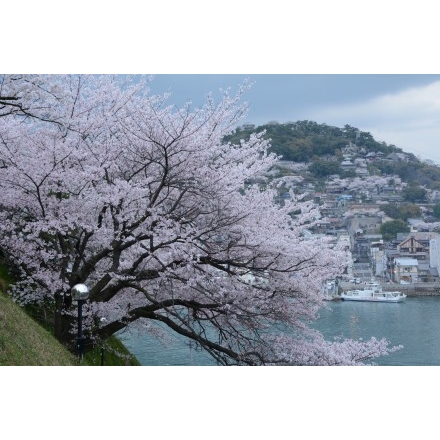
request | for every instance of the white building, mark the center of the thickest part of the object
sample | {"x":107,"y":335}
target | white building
{"x":406,"y":270}
{"x":434,"y":253}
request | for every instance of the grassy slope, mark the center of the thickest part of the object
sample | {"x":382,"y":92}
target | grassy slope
{"x":25,"y":342}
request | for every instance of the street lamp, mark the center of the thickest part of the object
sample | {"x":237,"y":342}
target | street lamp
{"x":80,"y":293}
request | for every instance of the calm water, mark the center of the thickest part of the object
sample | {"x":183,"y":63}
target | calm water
{"x":176,"y":351}
{"x":415,"y":324}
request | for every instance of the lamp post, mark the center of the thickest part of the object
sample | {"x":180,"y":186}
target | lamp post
{"x":80,"y":293}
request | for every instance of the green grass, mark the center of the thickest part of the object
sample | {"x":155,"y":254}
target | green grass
{"x":25,"y":341}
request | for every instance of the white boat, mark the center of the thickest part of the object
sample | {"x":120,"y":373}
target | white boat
{"x":373,"y":292}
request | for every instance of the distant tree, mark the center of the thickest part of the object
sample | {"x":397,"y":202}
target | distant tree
{"x":298,"y":150}
{"x":414,"y":193}
{"x":429,"y":175}
{"x":436,"y":210}
{"x":348,"y":174}
{"x":409,"y":210}
{"x":323,"y":168}
{"x":390,"y":229}
{"x":435,"y":185}
{"x":402,"y":212}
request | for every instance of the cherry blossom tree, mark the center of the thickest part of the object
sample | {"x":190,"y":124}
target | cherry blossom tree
{"x":104,"y":184}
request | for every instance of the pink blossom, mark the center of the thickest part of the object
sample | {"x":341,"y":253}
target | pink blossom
{"x":104,"y":184}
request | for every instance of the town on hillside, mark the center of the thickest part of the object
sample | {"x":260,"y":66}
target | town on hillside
{"x":354,"y":210}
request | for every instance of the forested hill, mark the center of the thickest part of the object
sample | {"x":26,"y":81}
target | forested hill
{"x":301,"y":141}
{"x":323,"y":147}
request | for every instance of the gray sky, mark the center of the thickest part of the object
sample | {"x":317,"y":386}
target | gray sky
{"x":402,"y":109}
{"x":353,"y":53}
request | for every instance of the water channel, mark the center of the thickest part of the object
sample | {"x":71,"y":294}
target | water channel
{"x":414,"y":323}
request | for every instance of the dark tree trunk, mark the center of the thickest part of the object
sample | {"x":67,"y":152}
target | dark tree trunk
{"x":62,"y":323}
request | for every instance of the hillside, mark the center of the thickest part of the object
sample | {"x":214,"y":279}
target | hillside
{"x":300,"y":141}
{"x":322,"y":146}
{"x":24,"y":342}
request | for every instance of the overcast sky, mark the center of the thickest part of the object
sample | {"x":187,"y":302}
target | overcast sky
{"x":317,"y":37}
{"x":403,"y":110}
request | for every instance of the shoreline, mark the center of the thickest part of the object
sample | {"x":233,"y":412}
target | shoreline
{"x":410,"y":290}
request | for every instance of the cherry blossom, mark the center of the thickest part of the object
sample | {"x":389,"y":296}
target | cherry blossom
{"x":104,"y":184}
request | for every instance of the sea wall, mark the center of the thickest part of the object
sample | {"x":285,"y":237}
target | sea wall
{"x":413,"y":289}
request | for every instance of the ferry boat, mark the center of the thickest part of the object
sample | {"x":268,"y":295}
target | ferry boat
{"x":373,"y":292}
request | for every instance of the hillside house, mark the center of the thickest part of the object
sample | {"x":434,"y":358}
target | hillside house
{"x":423,"y":237}
{"x":347,"y":165}
{"x":371,"y":157}
{"x":397,"y":157}
{"x":416,"y":259}
{"x":426,"y":273}
{"x":361,"y":172}
{"x":415,"y":224}
{"x":248,"y":126}
{"x":433,"y":196}
{"x":405,"y":270}
{"x":413,"y":248}
{"x":335,"y":188}
{"x":364,"y":209}
{"x":434,"y":253}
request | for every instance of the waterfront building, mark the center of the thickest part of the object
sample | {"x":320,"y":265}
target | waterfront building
{"x":406,"y":270}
